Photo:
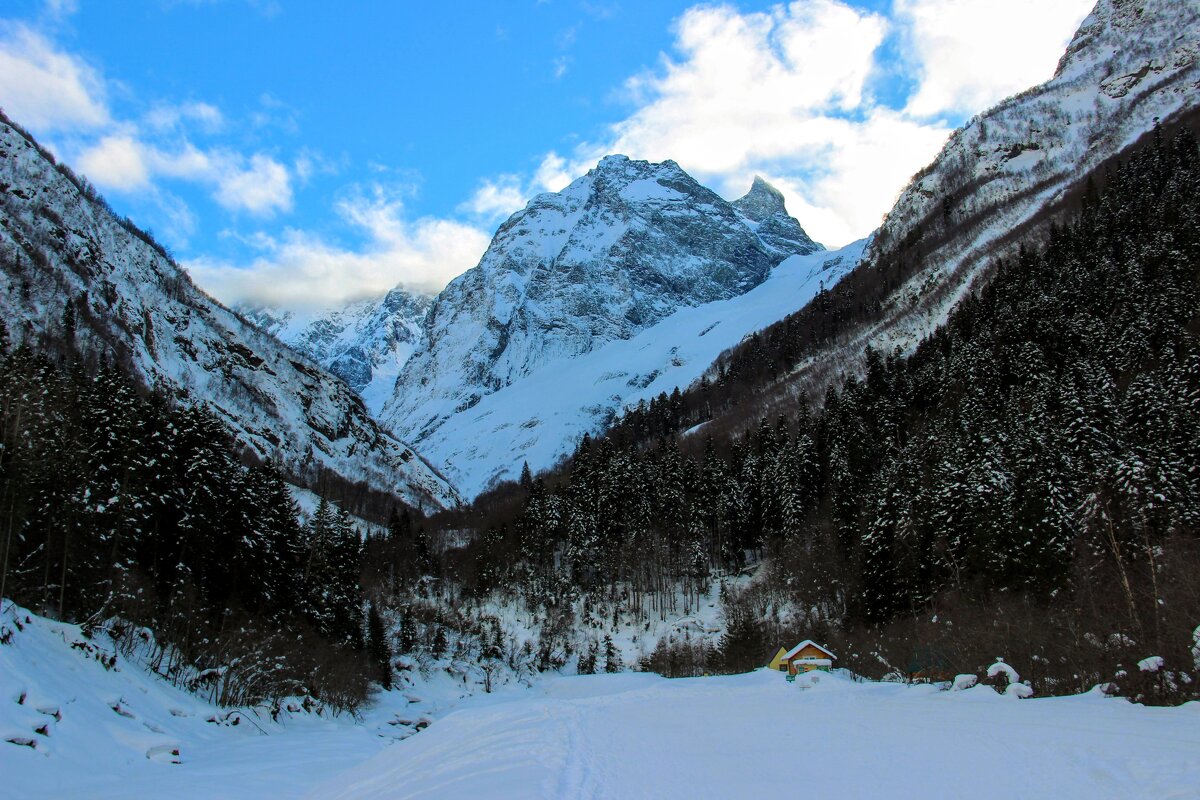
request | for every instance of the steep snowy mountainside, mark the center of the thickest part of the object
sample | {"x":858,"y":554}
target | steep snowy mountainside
{"x":542,"y":417}
{"x":365,"y":343}
{"x":1132,"y":62}
{"x":60,"y":243}
{"x":613,"y":254}
{"x":764,"y":211}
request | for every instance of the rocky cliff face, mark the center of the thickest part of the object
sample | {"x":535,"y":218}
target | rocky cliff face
{"x":764,"y":212}
{"x":60,"y":243}
{"x":616,"y":252}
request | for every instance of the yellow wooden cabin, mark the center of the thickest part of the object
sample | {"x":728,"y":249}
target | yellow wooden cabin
{"x":804,"y":657}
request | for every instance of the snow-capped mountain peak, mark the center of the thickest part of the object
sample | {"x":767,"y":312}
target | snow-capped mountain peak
{"x":764,"y":210}
{"x":761,"y":202}
{"x":617,"y":251}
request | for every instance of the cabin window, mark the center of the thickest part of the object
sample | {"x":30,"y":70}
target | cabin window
{"x":783,"y":667}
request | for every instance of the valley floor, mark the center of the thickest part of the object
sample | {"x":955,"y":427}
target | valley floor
{"x":110,"y":733}
{"x":640,"y":736}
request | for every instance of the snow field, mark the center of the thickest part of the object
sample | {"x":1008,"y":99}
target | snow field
{"x":641,"y":736}
{"x":113,"y":732}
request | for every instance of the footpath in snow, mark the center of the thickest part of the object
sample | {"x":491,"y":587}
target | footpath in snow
{"x":105,"y":730}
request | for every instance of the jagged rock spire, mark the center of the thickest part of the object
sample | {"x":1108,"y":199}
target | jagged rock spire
{"x":763,"y":208}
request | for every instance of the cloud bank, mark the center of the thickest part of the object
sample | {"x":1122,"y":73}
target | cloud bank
{"x":300,"y":269}
{"x":794,"y":94}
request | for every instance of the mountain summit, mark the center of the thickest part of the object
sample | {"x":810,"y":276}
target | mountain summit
{"x":364,"y":343}
{"x":616,"y":252}
{"x":764,"y":210}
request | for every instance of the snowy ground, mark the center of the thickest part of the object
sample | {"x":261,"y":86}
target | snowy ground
{"x":109,"y":733}
{"x":103,"y":732}
{"x":640,"y":736}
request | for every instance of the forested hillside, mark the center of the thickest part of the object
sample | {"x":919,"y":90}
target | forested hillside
{"x":1026,"y":483}
{"x":132,"y":511}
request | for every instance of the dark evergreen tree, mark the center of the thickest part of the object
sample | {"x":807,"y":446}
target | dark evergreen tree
{"x":378,"y":648}
{"x":612,"y":656}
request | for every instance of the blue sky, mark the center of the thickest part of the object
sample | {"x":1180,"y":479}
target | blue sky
{"x":312,"y":152}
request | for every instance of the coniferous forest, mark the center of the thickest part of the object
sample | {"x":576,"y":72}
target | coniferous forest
{"x":127,"y":510}
{"x":1026,"y":482}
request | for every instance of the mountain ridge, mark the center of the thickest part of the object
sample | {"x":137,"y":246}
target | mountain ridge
{"x":61,"y":245}
{"x":1001,"y":177}
{"x":365,"y":343}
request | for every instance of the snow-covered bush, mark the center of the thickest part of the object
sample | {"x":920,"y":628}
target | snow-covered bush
{"x":1001,"y":676}
{"x":1021,"y":690}
{"x":964,"y":681}
{"x":1151,"y":664}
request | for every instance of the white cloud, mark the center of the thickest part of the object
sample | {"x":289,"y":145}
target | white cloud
{"x":263,"y":187}
{"x":783,"y":93}
{"x":45,"y":89}
{"x":552,"y":175}
{"x":787,"y":93}
{"x":60,"y":9}
{"x":496,"y":197}
{"x":749,"y":86}
{"x":848,"y":186}
{"x":178,"y":221}
{"x":117,"y":162}
{"x":187,"y":162}
{"x":503,"y":195}
{"x":192,"y":116}
{"x":310,"y":162}
{"x":970,"y":54}
{"x":301,"y":270}
{"x":122,"y":162}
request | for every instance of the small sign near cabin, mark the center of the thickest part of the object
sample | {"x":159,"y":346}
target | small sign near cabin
{"x":804,"y":657}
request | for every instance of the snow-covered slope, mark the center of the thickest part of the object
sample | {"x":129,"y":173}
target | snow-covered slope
{"x":364,"y":343}
{"x":1132,"y":62}
{"x":59,"y":243}
{"x":611,"y":256}
{"x":80,"y":720}
{"x":542,"y":417}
